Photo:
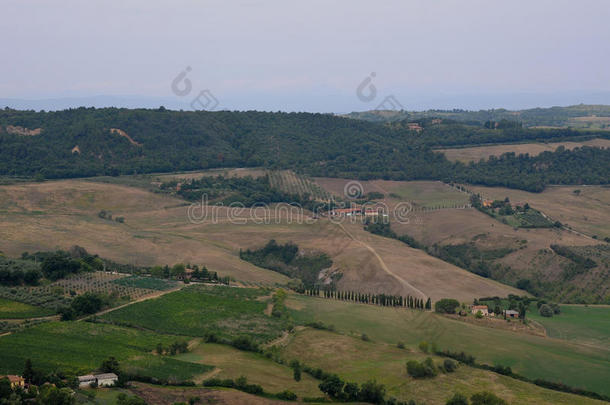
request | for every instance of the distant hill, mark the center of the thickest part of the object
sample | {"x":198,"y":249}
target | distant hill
{"x":87,"y":142}
{"x":577,"y":116}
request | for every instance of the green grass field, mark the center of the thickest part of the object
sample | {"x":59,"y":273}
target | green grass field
{"x":80,"y":347}
{"x":587,"y":325}
{"x":429,"y":194}
{"x":197,"y":310}
{"x":233,"y":363}
{"x":533,"y":356}
{"x":145,"y":282}
{"x":18,"y":310}
{"x":358,"y":361}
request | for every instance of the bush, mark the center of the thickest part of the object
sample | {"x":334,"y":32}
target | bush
{"x":287,"y":395}
{"x":372,"y":392}
{"x":245,"y":343}
{"x":423,"y":346}
{"x":400,"y":345}
{"x":446,"y":306}
{"x":421,"y":370}
{"x":546,"y":311}
{"x":449,"y":365}
{"x":457,"y":399}
{"x":365,"y":337}
{"x":486,"y":398}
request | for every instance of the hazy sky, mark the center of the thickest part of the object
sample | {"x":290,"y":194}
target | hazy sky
{"x":311,"y":55}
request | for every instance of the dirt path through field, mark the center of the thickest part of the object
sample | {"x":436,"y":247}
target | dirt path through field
{"x":382,"y":263}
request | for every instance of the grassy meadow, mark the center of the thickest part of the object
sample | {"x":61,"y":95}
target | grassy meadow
{"x":533,"y":356}
{"x":359,"y":361}
{"x":199,"y":310}
{"x":233,"y":363}
{"x":80,"y":347}
{"x":586,"y":325}
{"x":18,"y":310}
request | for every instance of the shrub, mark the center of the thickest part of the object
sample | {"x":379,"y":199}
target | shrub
{"x":287,"y":395}
{"x":446,"y":306}
{"x":486,"y":398}
{"x":449,"y":365}
{"x":372,"y":392}
{"x":400,"y":345}
{"x":245,"y":343}
{"x":421,"y":370}
{"x":365,"y":337}
{"x":423,"y":346}
{"x":546,"y":311}
{"x":457,"y":399}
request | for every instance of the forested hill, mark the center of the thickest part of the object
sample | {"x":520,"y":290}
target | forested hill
{"x":88,"y":142}
{"x":576,"y":116}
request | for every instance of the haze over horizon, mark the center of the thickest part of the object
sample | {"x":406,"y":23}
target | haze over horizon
{"x":272,"y":55}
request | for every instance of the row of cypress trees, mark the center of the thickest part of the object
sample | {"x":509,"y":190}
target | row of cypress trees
{"x":384,"y":300}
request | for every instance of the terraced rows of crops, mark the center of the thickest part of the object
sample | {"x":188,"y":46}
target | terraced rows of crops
{"x":108,"y":283}
{"x":293,"y":183}
{"x":57,"y":294}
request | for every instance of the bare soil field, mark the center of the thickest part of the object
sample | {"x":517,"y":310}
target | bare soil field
{"x":52,"y":215}
{"x":477,"y":153}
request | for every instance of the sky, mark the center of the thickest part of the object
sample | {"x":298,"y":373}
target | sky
{"x":307,"y":56}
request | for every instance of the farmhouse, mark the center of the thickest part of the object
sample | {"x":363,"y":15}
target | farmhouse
{"x":86,"y":380}
{"x":16,"y":381}
{"x":414,"y":126}
{"x":510,"y":313}
{"x":487,"y":203}
{"x":106,"y":379}
{"x":341,"y":212}
{"x":474,"y":309}
{"x":101,"y":380}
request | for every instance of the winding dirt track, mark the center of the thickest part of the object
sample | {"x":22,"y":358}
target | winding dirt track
{"x":382,"y":263}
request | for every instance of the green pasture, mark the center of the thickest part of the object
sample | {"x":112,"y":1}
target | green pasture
{"x":18,"y":310}
{"x":533,"y":356}
{"x":198,"y":310}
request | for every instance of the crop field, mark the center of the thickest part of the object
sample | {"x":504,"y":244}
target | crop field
{"x":422,"y":194}
{"x":290,"y":182}
{"x":476,"y":153}
{"x":199,"y":310}
{"x":18,"y":310}
{"x":584,"y":208}
{"x":233,"y":363}
{"x":533,"y":356}
{"x":147,"y":283}
{"x":113,"y":284}
{"x":80,"y":347}
{"x":586,"y":325}
{"x":57,"y":294}
{"x":359,"y":361}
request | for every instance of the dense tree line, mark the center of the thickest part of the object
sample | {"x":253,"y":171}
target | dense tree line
{"x":287,"y":260}
{"x":317,"y":144}
{"x":51,"y":265}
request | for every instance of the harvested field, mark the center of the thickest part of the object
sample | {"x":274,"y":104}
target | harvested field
{"x":476,"y":153}
{"x":157,"y":230}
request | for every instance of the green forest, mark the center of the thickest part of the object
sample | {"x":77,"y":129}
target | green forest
{"x":314,"y":144}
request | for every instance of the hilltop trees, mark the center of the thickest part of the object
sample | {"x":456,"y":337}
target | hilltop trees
{"x":316,"y":144}
{"x":446,"y":306}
